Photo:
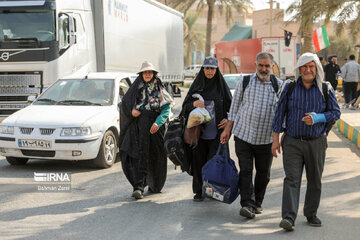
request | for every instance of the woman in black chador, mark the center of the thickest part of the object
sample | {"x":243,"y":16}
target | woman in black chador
{"x":143,"y":112}
{"x":211,"y":85}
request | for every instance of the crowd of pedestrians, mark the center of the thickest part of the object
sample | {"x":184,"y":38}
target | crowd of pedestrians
{"x":265,"y":115}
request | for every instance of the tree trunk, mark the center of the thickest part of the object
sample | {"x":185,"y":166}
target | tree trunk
{"x":307,"y":35}
{"x":210,"y":4}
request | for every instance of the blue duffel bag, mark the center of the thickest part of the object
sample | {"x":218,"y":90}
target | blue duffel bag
{"x":220,"y":177}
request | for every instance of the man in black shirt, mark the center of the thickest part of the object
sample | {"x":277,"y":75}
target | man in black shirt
{"x":331,"y":71}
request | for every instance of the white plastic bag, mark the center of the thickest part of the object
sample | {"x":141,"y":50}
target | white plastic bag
{"x":198,"y":115}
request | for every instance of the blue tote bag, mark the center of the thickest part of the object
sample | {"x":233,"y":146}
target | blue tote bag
{"x":220,"y":177}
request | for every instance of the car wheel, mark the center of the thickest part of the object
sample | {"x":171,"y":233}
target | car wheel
{"x":17,"y":161}
{"x":107,"y":152}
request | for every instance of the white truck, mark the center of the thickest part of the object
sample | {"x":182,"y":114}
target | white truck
{"x":45,"y":40}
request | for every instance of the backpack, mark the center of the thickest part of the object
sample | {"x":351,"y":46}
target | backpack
{"x":220,"y":177}
{"x":325,"y":91}
{"x":173,"y":141}
{"x":246,"y":80}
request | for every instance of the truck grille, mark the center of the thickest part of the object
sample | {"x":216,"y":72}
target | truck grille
{"x":46,"y":131}
{"x":13,"y":98}
{"x":26,"y":131}
{"x":15,"y":87}
{"x":16,"y":80}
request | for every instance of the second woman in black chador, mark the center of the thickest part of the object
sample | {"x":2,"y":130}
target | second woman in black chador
{"x":211,"y":85}
{"x":143,"y":112}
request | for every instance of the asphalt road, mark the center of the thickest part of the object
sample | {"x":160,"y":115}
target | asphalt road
{"x":100,"y":206}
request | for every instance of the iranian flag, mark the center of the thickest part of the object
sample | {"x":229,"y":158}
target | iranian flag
{"x":320,"y":38}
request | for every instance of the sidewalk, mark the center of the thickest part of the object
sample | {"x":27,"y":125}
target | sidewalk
{"x":349,"y":125}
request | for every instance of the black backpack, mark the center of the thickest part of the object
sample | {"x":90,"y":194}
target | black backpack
{"x":173,"y":141}
{"x":246,"y":80}
{"x":325,"y":91}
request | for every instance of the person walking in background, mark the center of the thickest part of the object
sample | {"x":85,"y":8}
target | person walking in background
{"x":250,"y":119}
{"x":143,"y":112}
{"x":323,"y":62}
{"x":351,"y":76}
{"x":332,"y":71}
{"x":303,"y":113}
{"x":210,"y":84}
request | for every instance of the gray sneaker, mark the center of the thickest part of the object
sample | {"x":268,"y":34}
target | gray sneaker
{"x":286,"y":224}
{"x":247,"y":212}
{"x":137,"y":194}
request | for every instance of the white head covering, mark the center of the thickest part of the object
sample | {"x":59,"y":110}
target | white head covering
{"x":306,"y":58}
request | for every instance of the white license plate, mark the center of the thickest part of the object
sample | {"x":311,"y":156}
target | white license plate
{"x":32,"y":143}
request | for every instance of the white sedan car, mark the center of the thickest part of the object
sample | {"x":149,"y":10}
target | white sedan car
{"x":74,"y":119}
{"x":232,"y":80}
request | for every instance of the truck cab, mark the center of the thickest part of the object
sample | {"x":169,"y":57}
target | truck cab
{"x":35,"y":48}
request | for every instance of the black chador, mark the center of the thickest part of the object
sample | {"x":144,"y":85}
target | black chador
{"x":142,"y":154}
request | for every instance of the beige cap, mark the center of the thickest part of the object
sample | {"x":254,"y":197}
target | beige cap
{"x":146,"y":66}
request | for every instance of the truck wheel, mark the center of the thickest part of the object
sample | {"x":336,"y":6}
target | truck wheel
{"x":169,"y":89}
{"x":176,"y":91}
{"x":107,"y":152}
{"x":17,"y":161}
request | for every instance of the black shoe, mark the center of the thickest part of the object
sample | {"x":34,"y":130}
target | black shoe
{"x":258,"y":209}
{"x":314,"y":221}
{"x":198,"y":197}
{"x":247,"y":212}
{"x":287,"y":224}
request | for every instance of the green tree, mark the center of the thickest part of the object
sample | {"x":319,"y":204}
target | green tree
{"x":221,"y":5}
{"x":346,"y":13}
{"x":193,"y":39}
{"x":307,"y":12}
{"x":340,"y":46}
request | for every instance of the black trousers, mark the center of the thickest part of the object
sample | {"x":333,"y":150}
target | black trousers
{"x":253,"y":194}
{"x":203,"y":152}
{"x":334,"y":83}
{"x":349,"y":91}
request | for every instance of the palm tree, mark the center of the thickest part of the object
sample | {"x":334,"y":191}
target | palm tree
{"x":193,"y":40}
{"x":222,"y":5}
{"x":307,"y":12}
{"x":343,"y":10}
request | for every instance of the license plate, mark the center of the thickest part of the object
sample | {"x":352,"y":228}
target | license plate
{"x":29,"y":143}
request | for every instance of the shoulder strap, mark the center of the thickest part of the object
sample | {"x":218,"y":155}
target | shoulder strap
{"x":290,"y":90}
{"x":325,"y":91}
{"x":274,"y":83}
{"x":246,"y":80}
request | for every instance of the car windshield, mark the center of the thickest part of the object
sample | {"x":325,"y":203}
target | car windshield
{"x":79,"y":92}
{"x":19,"y":25}
{"x":232,"y":81}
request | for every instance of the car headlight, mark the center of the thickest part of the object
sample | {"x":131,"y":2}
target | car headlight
{"x":6,"y":129}
{"x":76,"y":131}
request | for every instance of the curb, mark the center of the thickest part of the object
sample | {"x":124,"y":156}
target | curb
{"x":183,"y":85}
{"x":350,"y":132}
